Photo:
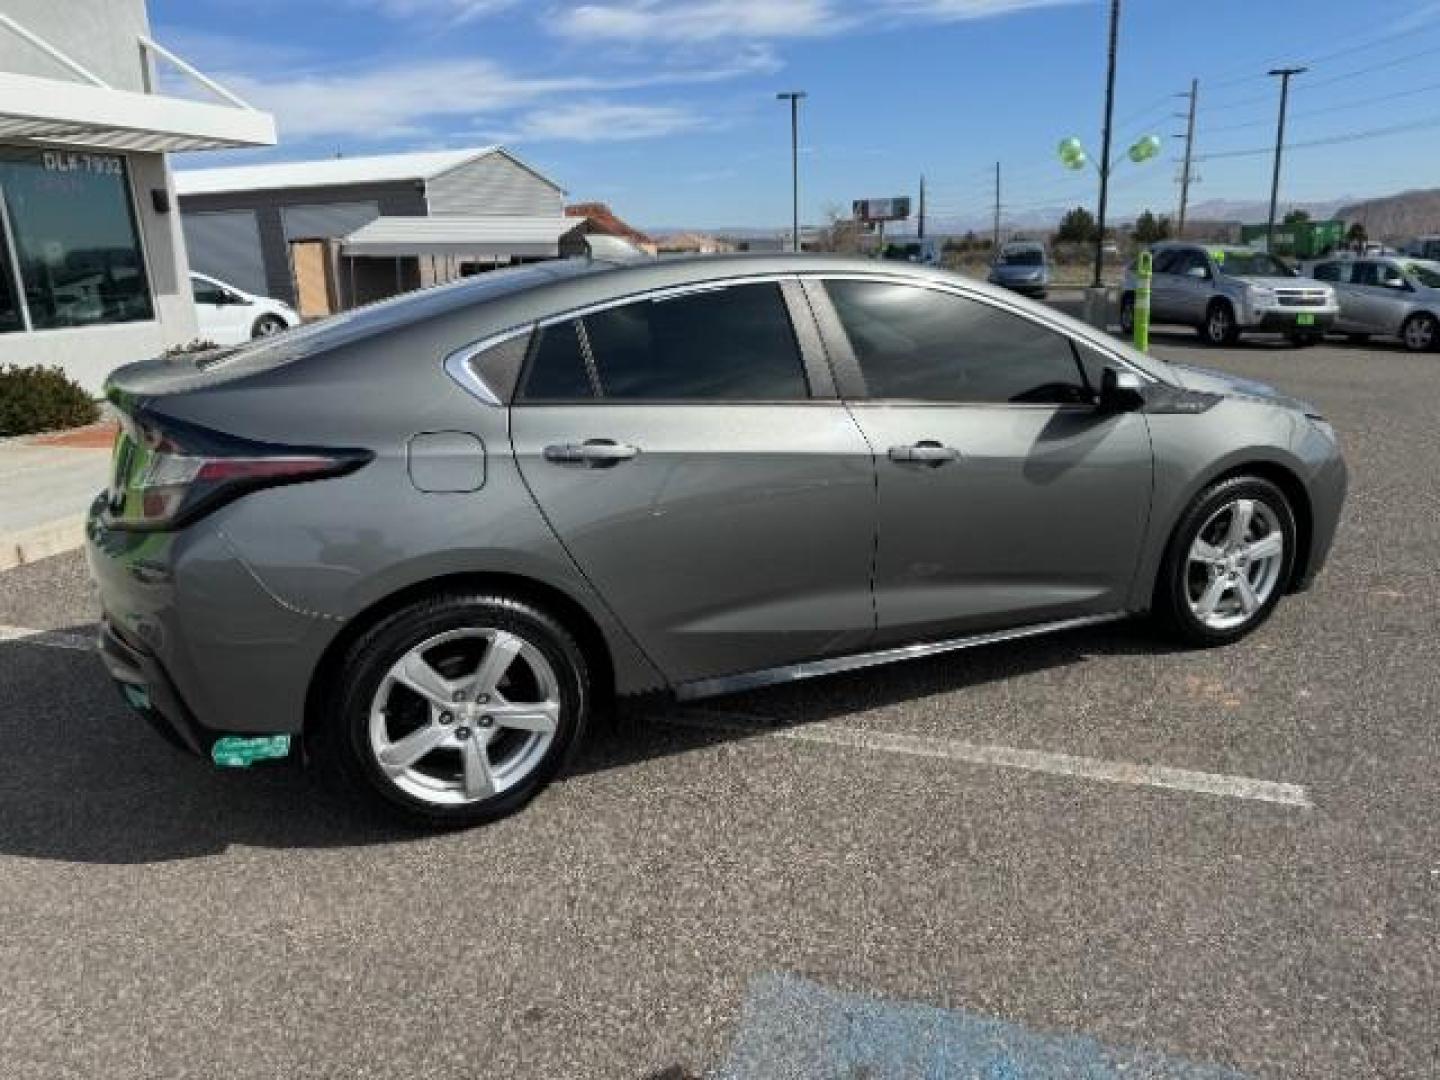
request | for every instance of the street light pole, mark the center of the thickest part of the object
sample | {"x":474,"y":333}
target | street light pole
{"x":1284,"y":74}
{"x":794,"y":96}
{"x":1105,"y":149}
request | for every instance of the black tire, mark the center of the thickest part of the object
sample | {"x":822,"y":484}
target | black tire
{"x":342,"y":747}
{"x":1127,"y":315}
{"x":1421,"y":333}
{"x":1171,"y":603}
{"x":266,"y":325}
{"x":1219,"y":327}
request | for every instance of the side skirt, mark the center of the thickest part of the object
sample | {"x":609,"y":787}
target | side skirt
{"x":751,"y":680}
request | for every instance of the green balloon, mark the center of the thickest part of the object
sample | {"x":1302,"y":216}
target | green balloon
{"x":1076,"y":161}
{"x":1070,"y":147}
{"x":1145,"y":149}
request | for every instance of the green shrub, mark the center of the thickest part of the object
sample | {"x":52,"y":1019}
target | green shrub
{"x":42,"y":399}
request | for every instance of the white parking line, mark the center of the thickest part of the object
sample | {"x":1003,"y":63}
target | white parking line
{"x":54,"y":639}
{"x":1113,"y":772}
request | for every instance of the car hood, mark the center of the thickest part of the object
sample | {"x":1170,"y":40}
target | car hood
{"x":1210,"y":381}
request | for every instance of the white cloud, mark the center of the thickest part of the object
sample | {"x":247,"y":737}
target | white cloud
{"x":450,"y":11}
{"x":412,"y":100}
{"x":699,"y":20}
{"x":599,"y":121}
{"x":694,"y":21}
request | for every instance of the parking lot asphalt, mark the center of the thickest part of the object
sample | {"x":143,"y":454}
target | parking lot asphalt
{"x":844,"y":877}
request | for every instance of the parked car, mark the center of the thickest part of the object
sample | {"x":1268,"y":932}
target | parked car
{"x":1226,"y":291}
{"x":428,"y":538}
{"x":228,"y":315}
{"x":1023,"y":266}
{"x":1386,"y":297}
{"x":925,"y":250}
{"x":1424,"y":247}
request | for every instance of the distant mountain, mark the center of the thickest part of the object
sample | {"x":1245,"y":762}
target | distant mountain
{"x":1397,"y":217}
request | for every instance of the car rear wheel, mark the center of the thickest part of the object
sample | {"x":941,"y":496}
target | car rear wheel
{"x":1228,"y":561}
{"x":267,"y":325}
{"x":456,"y":710}
{"x":1219,"y":326}
{"x":1421,"y":333}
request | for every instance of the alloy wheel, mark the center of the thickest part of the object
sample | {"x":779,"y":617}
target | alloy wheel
{"x":1218,"y":324}
{"x":464,"y":716}
{"x":1234,"y":564}
{"x":1420,"y":334}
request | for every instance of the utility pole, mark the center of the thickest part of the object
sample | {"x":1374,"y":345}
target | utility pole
{"x":921,"y":232}
{"x":794,"y":96}
{"x":995,"y":242}
{"x":1189,"y":150}
{"x":1105,"y":147}
{"x":1285,"y":75}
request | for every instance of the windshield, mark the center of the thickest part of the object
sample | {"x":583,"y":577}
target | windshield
{"x":1030,"y":257}
{"x":1426,"y":273}
{"x":1252,"y":264}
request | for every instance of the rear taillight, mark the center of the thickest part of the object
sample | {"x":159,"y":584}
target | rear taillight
{"x":167,"y":473}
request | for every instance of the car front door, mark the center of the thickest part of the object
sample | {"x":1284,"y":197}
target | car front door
{"x":1194,"y":286}
{"x":1382,"y":296}
{"x":1005,"y":496}
{"x":220,"y":315}
{"x":698,"y":465}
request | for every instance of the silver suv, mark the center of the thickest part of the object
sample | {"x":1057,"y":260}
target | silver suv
{"x":1388,"y":297}
{"x":427,"y":538}
{"x":1226,"y":291}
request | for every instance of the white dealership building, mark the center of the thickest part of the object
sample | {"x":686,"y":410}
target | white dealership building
{"x":93,"y":269}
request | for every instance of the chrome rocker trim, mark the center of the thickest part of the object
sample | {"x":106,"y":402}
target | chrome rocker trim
{"x":751,"y":680}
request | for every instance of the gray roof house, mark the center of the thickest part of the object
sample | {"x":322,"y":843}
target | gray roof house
{"x":327,"y":235}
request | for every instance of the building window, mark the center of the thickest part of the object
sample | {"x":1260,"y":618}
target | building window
{"x":75,"y":238}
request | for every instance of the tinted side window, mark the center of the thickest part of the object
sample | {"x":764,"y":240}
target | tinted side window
{"x":558,"y":371}
{"x":727,"y":344}
{"x":1191,"y":263}
{"x":923,"y":345}
{"x":1164,"y":262}
{"x":1332,"y":271}
{"x":205,"y":292}
{"x":1367,"y":273}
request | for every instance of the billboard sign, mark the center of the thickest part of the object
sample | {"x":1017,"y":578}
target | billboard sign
{"x":872,"y":210}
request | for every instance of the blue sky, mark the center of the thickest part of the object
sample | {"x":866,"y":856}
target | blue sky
{"x":666,"y":108}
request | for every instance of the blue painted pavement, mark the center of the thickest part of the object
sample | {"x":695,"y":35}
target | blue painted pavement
{"x":792,"y":1028}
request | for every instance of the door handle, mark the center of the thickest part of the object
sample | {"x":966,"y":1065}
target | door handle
{"x":596,"y":453}
{"x":928,"y":452}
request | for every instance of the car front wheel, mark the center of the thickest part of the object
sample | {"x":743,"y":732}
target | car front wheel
{"x":456,"y":710}
{"x":1421,"y":333}
{"x":1219,"y":326}
{"x":1228,"y":561}
{"x":267,"y":325}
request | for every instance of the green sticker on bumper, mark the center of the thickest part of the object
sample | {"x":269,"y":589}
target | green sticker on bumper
{"x":234,"y":752}
{"x":1304,"y":320}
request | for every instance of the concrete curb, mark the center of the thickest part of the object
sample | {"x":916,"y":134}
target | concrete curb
{"x":41,"y":541}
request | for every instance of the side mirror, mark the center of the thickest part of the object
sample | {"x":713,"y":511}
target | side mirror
{"x":1120,"y":391}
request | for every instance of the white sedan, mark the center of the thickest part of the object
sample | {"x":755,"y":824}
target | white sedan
{"x":230,"y":316}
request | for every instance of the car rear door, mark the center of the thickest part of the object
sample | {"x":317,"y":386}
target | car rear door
{"x":1378,"y":309}
{"x":694,"y":458}
{"x":1005,"y":497}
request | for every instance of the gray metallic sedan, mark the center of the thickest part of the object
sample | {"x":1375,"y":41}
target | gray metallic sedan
{"x":419,"y":544}
{"x":1389,"y":297}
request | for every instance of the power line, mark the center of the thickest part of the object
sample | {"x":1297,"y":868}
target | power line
{"x":1330,"y":140}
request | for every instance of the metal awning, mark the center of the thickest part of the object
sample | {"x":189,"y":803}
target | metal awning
{"x":517,"y":237}
{"x":92,"y":113}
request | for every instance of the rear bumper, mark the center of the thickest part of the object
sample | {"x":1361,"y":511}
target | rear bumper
{"x":148,"y":689}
